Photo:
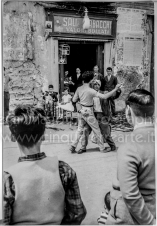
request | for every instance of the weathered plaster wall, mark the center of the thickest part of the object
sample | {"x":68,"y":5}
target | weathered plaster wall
{"x":131,"y":76}
{"x":25,"y":52}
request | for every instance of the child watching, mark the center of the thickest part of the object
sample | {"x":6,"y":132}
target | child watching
{"x":65,"y":105}
{"x":51,"y":103}
{"x":39,"y":189}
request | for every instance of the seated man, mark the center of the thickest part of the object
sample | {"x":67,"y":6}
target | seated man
{"x":133,"y":199}
{"x":38,"y":189}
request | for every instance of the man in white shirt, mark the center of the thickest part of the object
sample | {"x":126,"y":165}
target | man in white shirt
{"x":85,"y":95}
{"x":102,"y":114}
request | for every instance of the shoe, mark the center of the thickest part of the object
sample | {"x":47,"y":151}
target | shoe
{"x":105,"y":150}
{"x":72,"y":149}
{"x":81,"y":151}
{"x":114,"y":148}
{"x":108,"y":149}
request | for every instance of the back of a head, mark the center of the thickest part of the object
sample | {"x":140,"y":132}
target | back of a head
{"x":87,"y":76}
{"x":108,"y":69}
{"x":50,"y":86}
{"x":142,"y":103}
{"x":27,"y":125}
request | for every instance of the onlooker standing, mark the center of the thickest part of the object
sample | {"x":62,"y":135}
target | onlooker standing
{"x":135,"y":194}
{"x":71,"y":85}
{"x":51,"y":103}
{"x":39,"y":189}
{"x":6,"y":97}
{"x":109,"y":84}
{"x":78,"y":80}
{"x":98,"y":76}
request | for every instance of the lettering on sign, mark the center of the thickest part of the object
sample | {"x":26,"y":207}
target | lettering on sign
{"x":75,"y":25}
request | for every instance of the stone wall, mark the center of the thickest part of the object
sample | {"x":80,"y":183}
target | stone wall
{"x":24,"y":52}
{"x":131,"y":75}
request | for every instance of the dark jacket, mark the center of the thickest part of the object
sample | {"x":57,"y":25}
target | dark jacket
{"x":78,"y":81}
{"x":53,"y":95}
{"x":110,"y":85}
{"x":105,"y":106}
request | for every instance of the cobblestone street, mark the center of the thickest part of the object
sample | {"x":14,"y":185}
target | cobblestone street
{"x":95,"y":170}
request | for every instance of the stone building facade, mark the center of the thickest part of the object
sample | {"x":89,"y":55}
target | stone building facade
{"x":30,"y":55}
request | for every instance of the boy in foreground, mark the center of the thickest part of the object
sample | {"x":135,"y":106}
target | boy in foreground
{"x":133,"y":197}
{"x":38,"y":189}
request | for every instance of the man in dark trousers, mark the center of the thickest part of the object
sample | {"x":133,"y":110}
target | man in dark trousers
{"x":110,"y":83}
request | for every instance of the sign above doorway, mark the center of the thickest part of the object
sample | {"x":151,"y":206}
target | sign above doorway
{"x":72,"y":26}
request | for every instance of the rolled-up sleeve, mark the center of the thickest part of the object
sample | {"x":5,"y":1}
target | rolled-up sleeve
{"x":128,"y":162}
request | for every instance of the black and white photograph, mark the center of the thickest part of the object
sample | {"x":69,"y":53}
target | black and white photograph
{"x":78,"y":112}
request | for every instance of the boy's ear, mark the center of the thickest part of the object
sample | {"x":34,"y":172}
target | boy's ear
{"x":128,"y":110}
{"x":13,"y":139}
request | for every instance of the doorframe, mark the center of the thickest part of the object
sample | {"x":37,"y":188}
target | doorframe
{"x":100,"y":57}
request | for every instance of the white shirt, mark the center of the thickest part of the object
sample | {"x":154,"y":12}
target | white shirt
{"x":78,"y":75}
{"x":108,"y":77}
{"x":97,"y":105}
{"x":86,"y":94}
{"x":66,"y":98}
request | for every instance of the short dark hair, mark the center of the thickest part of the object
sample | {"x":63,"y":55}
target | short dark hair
{"x":27,"y":124}
{"x":142,"y":103}
{"x":67,"y":88}
{"x":51,"y":86}
{"x":108,"y":69}
{"x":87,"y":76}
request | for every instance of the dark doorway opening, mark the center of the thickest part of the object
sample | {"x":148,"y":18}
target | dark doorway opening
{"x":81,"y":56}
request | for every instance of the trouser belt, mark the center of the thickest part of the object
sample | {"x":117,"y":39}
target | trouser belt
{"x":116,"y":188}
{"x":87,"y":106}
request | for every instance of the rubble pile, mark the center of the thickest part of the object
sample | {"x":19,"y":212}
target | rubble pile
{"x":119,"y":123}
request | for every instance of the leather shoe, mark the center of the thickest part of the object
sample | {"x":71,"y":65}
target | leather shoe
{"x":105,"y":150}
{"x":114,"y":148}
{"x":72,"y":149}
{"x":81,"y":151}
{"x":108,"y":149}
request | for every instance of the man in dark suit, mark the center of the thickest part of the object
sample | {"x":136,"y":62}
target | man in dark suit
{"x":110,"y":82}
{"x":78,"y":79}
